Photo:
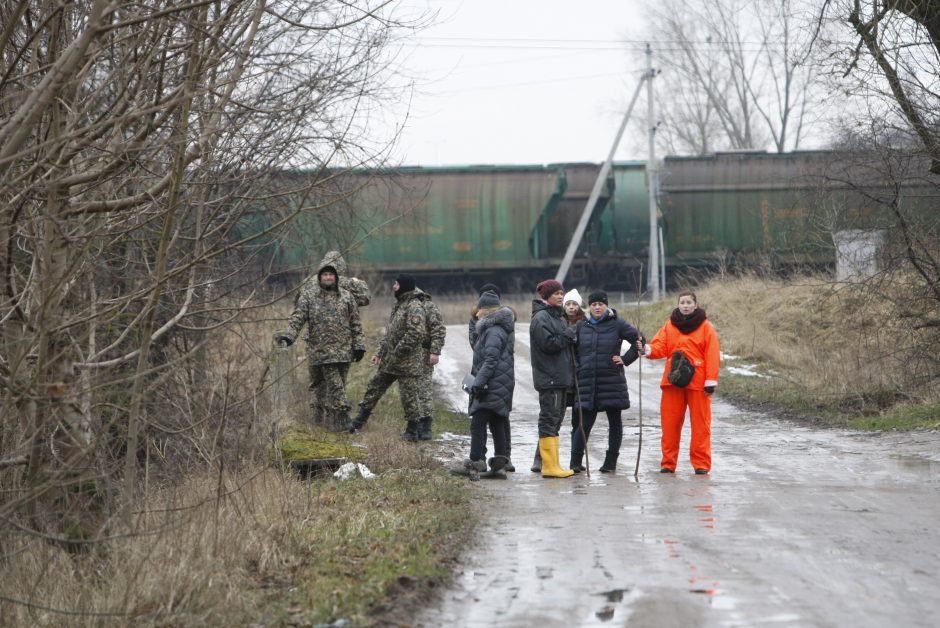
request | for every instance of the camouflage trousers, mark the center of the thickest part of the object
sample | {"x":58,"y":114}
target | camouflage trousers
{"x":414,"y":391}
{"x":328,"y":387}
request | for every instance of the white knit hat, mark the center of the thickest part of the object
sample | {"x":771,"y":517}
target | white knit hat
{"x":572,"y":295}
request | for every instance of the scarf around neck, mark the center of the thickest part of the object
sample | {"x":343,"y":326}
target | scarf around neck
{"x":688,"y":324}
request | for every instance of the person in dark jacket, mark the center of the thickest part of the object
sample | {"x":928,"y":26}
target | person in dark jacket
{"x":551,"y":343}
{"x":573,"y":315}
{"x":472,"y":337}
{"x":492,"y":389}
{"x":602,"y":383}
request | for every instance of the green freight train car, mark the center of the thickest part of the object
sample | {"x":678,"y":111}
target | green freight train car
{"x":461,"y":225}
{"x":450,"y":223}
{"x":782,"y":209}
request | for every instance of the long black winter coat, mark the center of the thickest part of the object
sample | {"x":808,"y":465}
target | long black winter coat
{"x":493,"y":362}
{"x":601,"y":383}
{"x":550,"y":345}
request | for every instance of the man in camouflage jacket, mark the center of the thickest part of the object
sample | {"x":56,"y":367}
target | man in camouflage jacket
{"x":359,"y":288}
{"x":363,"y":295}
{"x":412,"y":346}
{"x":334,"y":339}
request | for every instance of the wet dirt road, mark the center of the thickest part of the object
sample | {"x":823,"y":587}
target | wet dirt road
{"x":794,"y":527}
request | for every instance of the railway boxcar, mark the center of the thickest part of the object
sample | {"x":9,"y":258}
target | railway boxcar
{"x":452,"y":223}
{"x":462,"y":224}
{"x":782,"y":208}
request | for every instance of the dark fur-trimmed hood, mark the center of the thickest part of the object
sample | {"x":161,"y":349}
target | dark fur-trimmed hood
{"x":504,"y":317}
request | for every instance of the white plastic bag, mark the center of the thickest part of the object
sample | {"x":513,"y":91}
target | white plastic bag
{"x":351,"y":469}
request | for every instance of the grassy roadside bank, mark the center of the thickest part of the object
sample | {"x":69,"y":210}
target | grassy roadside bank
{"x":806,"y":350}
{"x":245,"y":542}
{"x":371,"y":550}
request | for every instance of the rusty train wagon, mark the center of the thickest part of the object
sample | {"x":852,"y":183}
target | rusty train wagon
{"x":457,"y":226}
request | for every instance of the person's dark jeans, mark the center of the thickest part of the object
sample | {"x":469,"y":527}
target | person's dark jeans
{"x":614,"y":437}
{"x":499,"y":427}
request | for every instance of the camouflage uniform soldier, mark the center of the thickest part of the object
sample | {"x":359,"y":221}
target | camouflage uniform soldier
{"x":407,"y":355}
{"x":334,"y":339}
{"x":363,"y":295}
{"x":359,"y":288}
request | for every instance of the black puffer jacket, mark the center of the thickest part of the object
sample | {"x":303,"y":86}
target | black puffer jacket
{"x":550,"y":343}
{"x":601,"y":383}
{"x":493,"y":362}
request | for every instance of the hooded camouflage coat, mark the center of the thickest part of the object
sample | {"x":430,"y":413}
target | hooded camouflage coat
{"x":415,"y":330}
{"x":359,"y":288}
{"x":334,"y":329}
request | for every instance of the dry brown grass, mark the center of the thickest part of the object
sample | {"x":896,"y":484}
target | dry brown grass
{"x":837,"y":341}
{"x":258,"y":547}
{"x":224,"y":537}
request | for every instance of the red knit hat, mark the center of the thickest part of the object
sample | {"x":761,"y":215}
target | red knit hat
{"x":547,"y":288}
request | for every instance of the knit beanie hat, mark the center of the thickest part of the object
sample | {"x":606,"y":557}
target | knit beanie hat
{"x":406,"y":283}
{"x":488,"y":299}
{"x":574,"y":295}
{"x":547,"y":288}
{"x":598,"y":295}
{"x":490,"y":287}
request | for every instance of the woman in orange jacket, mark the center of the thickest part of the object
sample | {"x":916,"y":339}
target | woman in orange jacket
{"x":690,"y":344}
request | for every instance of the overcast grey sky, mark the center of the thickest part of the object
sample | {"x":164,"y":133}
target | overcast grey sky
{"x":521,"y":81}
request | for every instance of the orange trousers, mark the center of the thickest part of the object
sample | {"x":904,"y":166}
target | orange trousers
{"x":672,"y":413}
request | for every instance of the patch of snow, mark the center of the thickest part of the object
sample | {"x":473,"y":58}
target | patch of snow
{"x":747,"y":370}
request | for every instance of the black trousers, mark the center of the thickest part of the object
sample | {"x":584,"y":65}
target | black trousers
{"x":499,"y":427}
{"x":551,"y":411}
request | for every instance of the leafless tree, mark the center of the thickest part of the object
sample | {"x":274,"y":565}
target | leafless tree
{"x":890,"y":52}
{"x":139,"y":147}
{"x":734,"y":75}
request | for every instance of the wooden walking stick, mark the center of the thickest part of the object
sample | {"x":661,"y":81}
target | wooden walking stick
{"x":639,"y":444}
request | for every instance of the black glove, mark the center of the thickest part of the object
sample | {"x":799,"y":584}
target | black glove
{"x":571,"y":335}
{"x":709,"y":390}
{"x":479,"y":391}
{"x":358,"y":354}
{"x":284,"y":341}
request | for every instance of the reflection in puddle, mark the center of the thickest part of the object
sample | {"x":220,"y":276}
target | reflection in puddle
{"x":614,"y":596}
{"x":605,"y":614}
{"x":921,"y":466}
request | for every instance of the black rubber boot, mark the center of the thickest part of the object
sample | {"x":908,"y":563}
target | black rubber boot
{"x":360,"y":421}
{"x":576,"y":465}
{"x":411,"y":432}
{"x":343,"y":422}
{"x":424,"y":429}
{"x":610,"y":461}
{"x":537,"y":463}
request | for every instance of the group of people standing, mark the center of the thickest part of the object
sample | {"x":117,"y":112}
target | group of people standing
{"x":577,"y":362}
{"x":328,"y":304}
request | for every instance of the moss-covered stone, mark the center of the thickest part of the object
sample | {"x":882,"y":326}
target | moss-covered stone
{"x":300,"y":442}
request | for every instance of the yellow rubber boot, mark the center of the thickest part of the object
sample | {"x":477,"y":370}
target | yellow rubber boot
{"x":548,"y":446}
